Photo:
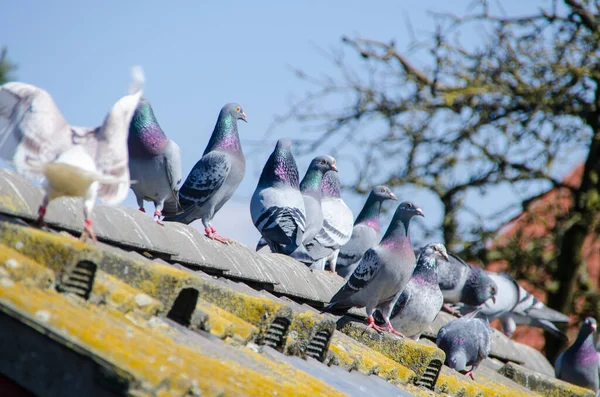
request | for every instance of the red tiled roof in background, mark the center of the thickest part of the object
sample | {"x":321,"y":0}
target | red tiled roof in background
{"x":537,"y":223}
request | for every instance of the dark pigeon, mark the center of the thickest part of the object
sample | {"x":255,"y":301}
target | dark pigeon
{"x":579,"y":364}
{"x":216,"y":176}
{"x":366,"y":232}
{"x":466,"y":341}
{"x":461,"y":282}
{"x":277,"y":206}
{"x":154,"y":163}
{"x":382,"y":273}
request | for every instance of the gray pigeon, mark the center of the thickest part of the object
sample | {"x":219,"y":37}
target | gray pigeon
{"x":154,"y":163}
{"x":464,"y":283}
{"x":337,"y":224}
{"x":216,"y":176}
{"x":277,"y":206}
{"x":579,"y":364}
{"x":514,"y":305}
{"x":382,"y":273}
{"x":466,"y":341}
{"x":311,"y":192}
{"x":73,"y":161}
{"x":421,"y":299}
{"x":366,"y":232}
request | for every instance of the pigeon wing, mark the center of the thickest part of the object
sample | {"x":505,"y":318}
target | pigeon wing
{"x":33,"y":132}
{"x":205,"y":179}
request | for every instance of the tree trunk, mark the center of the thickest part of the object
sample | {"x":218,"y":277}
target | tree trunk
{"x":569,"y":250}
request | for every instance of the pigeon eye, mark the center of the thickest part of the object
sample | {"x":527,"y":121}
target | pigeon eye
{"x":382,"y":190}
{"x":409,"y":205}
{"x":323,"y":162}
{"x":237,"y":109}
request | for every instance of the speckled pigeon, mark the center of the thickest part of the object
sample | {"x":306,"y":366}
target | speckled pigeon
{"x":466,"y":341}
{"x":514,"y":305}
{"x":277,"y":206}
{"x":382,"y":273}
{"x":579,"y":364}
{"x":337,"y":224}
{"x":421,"y":299}
{"x":216,"y":176}
{"x":366,"y":232}
{"x":73,"y":161}
{"x":465,"y":283}
{"x":154,"y":163}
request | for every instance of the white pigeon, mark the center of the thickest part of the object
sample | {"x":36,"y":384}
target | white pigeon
{"x":73,"y":161}
{"x":338,"y":222}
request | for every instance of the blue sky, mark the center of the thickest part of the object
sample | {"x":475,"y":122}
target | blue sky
{"x":197,"y":56}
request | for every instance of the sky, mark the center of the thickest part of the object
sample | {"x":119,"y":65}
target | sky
{"x":199,"y":55}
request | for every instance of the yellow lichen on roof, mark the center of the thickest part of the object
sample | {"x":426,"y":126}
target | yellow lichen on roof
{"x":113,"y":292}
{"x":256,"y":310}
{"x":225,"y":325}
{"x":154,"y":360}
{"x":21,"y":268}
{"x":413,"y":355}
{"x":354,"y":355}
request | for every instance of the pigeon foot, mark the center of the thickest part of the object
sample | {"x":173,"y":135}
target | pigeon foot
{"x":88,"y":232}
{"x":142,"y":209}
{"x":391,"y":329}
{"x":470,"y":373}
{"x":212,"y":234}
{"x":450,"y":310}
{"x":371,"y":324}
{"x":157,"y":215}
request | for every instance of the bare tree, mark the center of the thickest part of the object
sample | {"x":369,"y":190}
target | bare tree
{"x":455,"y":120}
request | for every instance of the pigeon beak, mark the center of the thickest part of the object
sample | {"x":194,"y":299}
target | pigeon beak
{"x":334,"y":168}
{"x":445,"y":256}
{"x":244,"y":117}
{"x":494,"y":299}
{"x":420,"y":212}
{"x":393,"y":196}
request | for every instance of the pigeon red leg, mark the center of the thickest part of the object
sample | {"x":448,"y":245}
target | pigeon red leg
{"x":470,"y":373}
{"x":211,"y":233}
{"x":392,"y":330}
{"x":143,"y":209}
{"x":42,"y":211}
{"x":88,"y":232}
{"x":371,"y":324}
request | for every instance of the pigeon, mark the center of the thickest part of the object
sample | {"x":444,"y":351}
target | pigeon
{"x":337,"y":224}
{"x":579,"y":364}
{"x":154,"y":163}
{"x":466,"y":341}
{"x":421,"y":299}
{"x":382,"y":273}
{"x":277,"y":206}
{"x":216,"y":176}
{"x":514,"y":305}
{"x":464,"y":283}
{"x":311,"y":192}
{"x":366,"y":232}
{"x":72,"y":161}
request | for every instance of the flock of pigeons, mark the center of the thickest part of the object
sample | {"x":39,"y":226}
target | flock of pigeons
{"x":306,"y":219}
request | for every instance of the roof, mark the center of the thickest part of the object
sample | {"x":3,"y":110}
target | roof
{"x":156,"y":310}
{"x":538,"y":222}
